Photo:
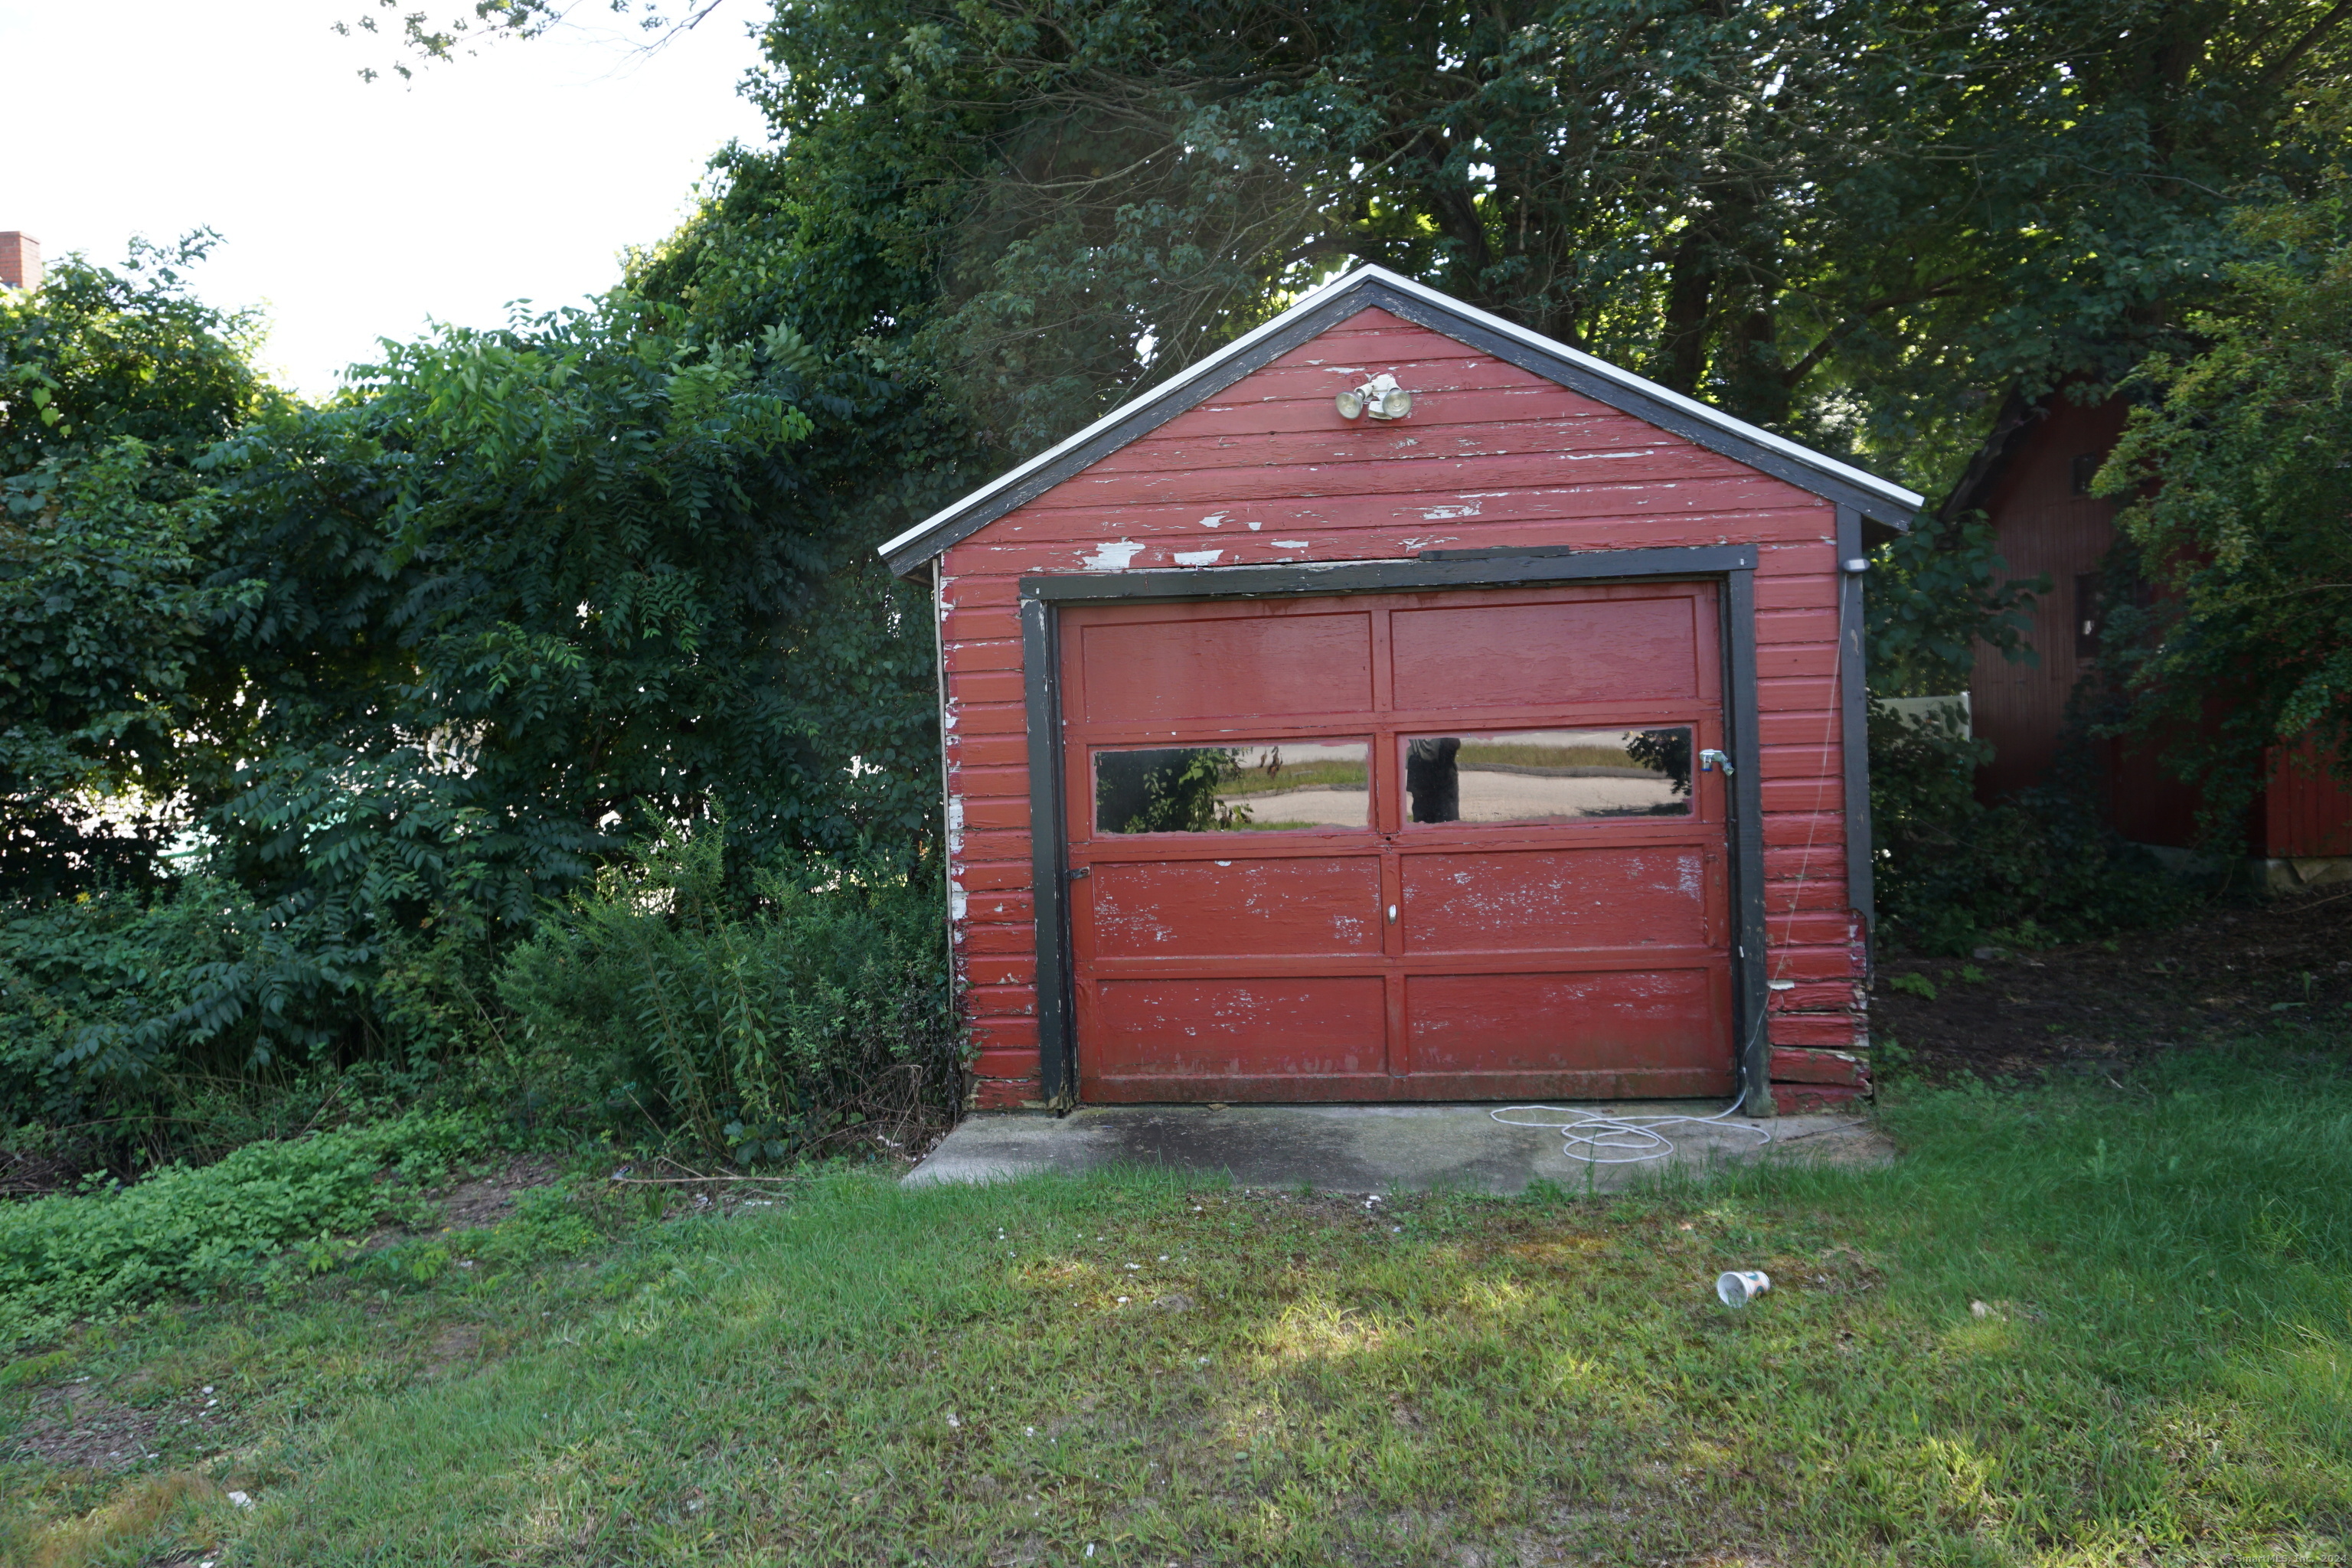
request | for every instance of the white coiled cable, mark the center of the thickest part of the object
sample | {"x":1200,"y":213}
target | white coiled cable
{"x":1597,"y":1138}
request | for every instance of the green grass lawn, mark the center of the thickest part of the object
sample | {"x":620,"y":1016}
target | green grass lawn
{"x":1147,"y":1370}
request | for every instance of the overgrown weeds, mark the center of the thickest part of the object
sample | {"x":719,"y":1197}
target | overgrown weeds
{"x":766,"y":1020}
{"x":2037,"y":868}
{"x":192,"y":1228}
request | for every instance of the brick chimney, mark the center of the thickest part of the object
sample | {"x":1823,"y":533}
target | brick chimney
{"x":20,"y":260}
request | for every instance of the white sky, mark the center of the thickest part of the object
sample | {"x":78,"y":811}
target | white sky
{"x":353,"y":211}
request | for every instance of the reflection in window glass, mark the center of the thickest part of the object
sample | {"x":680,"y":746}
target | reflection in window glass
{"x":1547,"y":775}
{"x":1251,"y":788}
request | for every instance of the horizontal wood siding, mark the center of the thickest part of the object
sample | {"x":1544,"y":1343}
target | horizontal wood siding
{"x":1491,"y":457}
{"x":2306,"y":811}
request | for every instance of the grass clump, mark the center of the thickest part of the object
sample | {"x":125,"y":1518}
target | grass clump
{"x":199,"y":1228}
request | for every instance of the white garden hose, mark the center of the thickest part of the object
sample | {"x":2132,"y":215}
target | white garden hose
{"x":1598,"y":1138}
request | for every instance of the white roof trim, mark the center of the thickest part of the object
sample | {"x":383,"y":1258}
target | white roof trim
{"x":1895,"y":494}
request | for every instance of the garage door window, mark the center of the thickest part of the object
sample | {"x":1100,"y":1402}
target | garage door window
{"x":1256,"y":786}
{"x":1546,"y":776}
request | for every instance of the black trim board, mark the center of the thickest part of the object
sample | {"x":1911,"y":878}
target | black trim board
{"x":1633,"y":400}
{"x":1362,"y":291}
{"x":1853,"y":720}
{"x":1040,"y":662}
{"x":1480,"y":570}
{"x":1743,"y":719}
{"x":1733,"y":565}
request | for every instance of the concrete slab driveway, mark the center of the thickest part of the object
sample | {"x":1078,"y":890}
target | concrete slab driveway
{"x":1371,"y":1148}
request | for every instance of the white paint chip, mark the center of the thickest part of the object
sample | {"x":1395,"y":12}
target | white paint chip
{"x":1439,"y":513}
{"x":1197,"y":557}
{"x":1113,"y":557}
{"x":1292,"y":543}
{"x":1255,"y":526}
{"x":1215,"y":519}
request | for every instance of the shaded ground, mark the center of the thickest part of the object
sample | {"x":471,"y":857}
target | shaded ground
{"x":2082,"y":1008}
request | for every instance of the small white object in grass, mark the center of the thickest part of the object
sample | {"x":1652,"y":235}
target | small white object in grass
{"x":1090,"y":1549}
{"x":1979,"y":1310}
{"x":1396,"y":1230}
{"x":1122,"y":1300}
{"x":208,"y":1388}
{"x":953,"y":1424}
{"x":1741,"y":1286}
{"x":1133,"y":1266}
{"x":238,"y":1499}
{"x":1028,"y":1431}
{"x":1164,"y":1257}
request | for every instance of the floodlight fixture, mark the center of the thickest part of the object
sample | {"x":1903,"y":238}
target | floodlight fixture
{"x":1380,"y":397}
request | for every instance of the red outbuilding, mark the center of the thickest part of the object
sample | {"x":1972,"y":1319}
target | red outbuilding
{"x":1400,"y":705}
{"x":2033,"y":481}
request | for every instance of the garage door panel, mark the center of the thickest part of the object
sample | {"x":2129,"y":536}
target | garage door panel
{"x":1622,"y":1021}
{"x":1481,"y":869}
{"x":1210,"y":1029}
{"x":1226,"y":667}
{"x":1207,"y":909}
{"x":1511,"y":656}
{"x":1555,"y":899}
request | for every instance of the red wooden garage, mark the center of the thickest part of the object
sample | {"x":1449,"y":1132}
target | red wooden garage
{"x":1401,"y":705}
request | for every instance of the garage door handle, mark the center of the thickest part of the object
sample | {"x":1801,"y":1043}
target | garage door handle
{"x":1392,"y":914}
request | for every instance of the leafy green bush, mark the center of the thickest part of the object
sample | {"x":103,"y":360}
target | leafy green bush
{"x":756,"y":1018}
{"x":2041,"y":866}
{"x":203,"y":1228}
{"x":112,"y":1001}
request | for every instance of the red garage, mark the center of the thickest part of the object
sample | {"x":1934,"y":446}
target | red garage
{"x":1401,"y":705}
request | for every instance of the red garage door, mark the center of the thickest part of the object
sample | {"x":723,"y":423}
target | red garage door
{"x":1399,"y":846}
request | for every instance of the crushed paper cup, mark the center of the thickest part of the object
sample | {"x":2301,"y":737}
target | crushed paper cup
{"x":1741,"y":1286}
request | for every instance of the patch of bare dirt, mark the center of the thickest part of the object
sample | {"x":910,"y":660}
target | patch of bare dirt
{"x":2099,"y":1006}
{"x":485,"y":1200}
{"x":453,"y":1346}
{"x":78,"y":1427}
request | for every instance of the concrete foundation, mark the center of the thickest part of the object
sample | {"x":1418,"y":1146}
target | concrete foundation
{"x":1369,"y":1147}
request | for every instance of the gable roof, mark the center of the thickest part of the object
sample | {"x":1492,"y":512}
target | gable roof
{"x":1368,"y":287}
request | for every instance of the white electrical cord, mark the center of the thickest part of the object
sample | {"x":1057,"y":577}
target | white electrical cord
{"x":1597,"y":1138}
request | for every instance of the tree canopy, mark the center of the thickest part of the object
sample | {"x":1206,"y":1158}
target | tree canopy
{"x":1858,"y":225}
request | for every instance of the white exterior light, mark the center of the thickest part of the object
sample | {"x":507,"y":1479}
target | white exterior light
{"x":1380,"y":397}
